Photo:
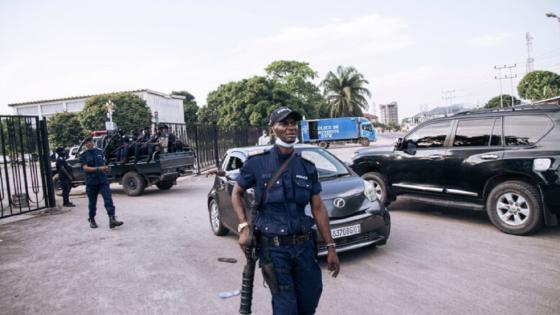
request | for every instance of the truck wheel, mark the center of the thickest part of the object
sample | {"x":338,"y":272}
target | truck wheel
{"x":56,"y":182}
{"x":324,"y":144}
{"x":364,"y":142}
{"x":165,"y":185}
{"x":215,"y":222}
{"x":133,"y":184}
{"x":379,"y":184}
{"x":515,"y":207}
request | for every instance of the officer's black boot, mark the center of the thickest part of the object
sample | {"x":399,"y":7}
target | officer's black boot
{"x":113,"y":222}
{"x":92,"y":223}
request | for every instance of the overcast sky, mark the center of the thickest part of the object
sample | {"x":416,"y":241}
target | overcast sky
{"x":408,"y":50}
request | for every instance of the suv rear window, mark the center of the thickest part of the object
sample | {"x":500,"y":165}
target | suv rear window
{"x":525,"y":130}
{"x":476,"y":132}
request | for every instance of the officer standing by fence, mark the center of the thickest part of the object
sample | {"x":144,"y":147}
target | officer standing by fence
{"x":65,"y":177}
{"x":95,"y":168}
{"x":285,"y":242}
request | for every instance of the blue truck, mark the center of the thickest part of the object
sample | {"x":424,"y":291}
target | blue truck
{"x":345,"y":129}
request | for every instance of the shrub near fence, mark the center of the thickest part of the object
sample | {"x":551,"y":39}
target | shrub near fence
{"x":210,"y":142}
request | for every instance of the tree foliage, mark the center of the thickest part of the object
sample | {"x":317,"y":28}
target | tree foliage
{"x":345,"y":93}
{"x":506,"y":100}
{"x":190,"y":108}
{"x":247,"y":102}
{"x":65,"y":130}
{"x":539,"y":85}
{"x":130,"y":112}
{"x":296,"y":78}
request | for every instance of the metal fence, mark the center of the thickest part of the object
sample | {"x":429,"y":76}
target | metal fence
{"x":25,"y":174}
{"x":210,"y":142}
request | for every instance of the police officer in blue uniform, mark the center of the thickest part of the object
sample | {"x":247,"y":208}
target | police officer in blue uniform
{"x":65,"y":177}
{"x":94,"y":166}
{"x":285,"y":239}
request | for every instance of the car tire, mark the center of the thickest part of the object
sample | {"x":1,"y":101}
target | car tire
{"x":515,"y":207}
{"x":56,"y":182}
{"x":379,"y":184}
{"x":133,"y":184}
{"x":324,"y":144}
{"x":165,"y":185}
{"x":215,"y":222}
{"x":364,"y":142}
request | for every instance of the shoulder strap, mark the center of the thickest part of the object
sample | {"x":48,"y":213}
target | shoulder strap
{"x":275,"y":177}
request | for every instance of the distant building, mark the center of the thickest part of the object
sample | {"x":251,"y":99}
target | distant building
{"x":169,"y":108}
{"x":389,"y":113}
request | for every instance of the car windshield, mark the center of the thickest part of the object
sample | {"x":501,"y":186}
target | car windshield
{"x":327,"y":165}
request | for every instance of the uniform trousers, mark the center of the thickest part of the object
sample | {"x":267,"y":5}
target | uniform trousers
{"x":298,"y":275}
{"x":93,"y":190}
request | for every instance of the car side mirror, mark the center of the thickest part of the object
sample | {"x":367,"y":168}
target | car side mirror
{"x":410,"y":148}
{"x":233,"y":175}
{"x":398,"y":143}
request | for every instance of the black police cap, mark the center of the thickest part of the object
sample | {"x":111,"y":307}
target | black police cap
{"x":60,"y":150}
{"x":282,"y":113}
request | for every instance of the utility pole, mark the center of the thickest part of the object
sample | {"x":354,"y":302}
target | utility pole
{"x":500,"y":77}
{"x":530,"y":60}
{"x":448,"y":96}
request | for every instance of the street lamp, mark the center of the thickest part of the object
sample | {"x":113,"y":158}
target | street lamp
{"x":554,"y":16}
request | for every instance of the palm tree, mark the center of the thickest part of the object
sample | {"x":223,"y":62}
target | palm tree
{"x":344,"y":92}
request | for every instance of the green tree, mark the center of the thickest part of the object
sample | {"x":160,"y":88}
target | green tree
{"x":296,"y":78}
{"x":65,"y":130}
{"x":345,"y":93}
{"x":190,"y":108}
{"x":130,"y":112}
{"x":249,"y":102}
{"x":494,"y":102}
{"x":207,"y":115}
{"x":539,"y":85}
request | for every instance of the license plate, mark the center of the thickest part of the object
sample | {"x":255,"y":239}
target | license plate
{"x":346,"y":231}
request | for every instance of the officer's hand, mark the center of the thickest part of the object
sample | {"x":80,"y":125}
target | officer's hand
{"x":243,"y":236}
{"x":332,"y":263}
{"x":104,"y":168}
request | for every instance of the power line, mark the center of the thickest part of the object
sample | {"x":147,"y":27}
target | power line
{"x":448,"y":96}
{"x":530,"y":59}
{"x":511,"y":76}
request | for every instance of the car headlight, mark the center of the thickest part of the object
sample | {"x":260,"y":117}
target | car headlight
{"x":369,"y":191}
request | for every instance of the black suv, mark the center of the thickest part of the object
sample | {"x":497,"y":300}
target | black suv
{"x":505,"y":161}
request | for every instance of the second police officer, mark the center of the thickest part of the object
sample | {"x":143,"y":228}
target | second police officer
{"x":95,"y":168}
{"x":285,"y":230}
{"x":65,"y":176}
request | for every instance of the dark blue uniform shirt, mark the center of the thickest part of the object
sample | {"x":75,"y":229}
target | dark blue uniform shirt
{"x":93,"y":158}
{"x":283,"y":211}
{"x":60,"y":164}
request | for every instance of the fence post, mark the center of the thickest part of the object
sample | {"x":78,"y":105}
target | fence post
{"x":216,"y":153}
{"x":197,"y":149}
{"x":51,"y":202}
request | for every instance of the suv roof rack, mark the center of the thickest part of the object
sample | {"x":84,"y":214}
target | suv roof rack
{"x":510,"y":109}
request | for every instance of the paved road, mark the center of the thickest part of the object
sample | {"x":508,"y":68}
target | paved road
{"x":164,"y":261}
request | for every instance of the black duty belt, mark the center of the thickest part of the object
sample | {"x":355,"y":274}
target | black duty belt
{"x":283,"y":240}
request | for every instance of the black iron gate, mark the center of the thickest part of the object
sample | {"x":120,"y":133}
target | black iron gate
{"x":210,"y":142}
{"x":25,"y":171}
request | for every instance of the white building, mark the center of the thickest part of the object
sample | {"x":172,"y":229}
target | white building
{"x":389,"y":113}
{"x":169,"y":108}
